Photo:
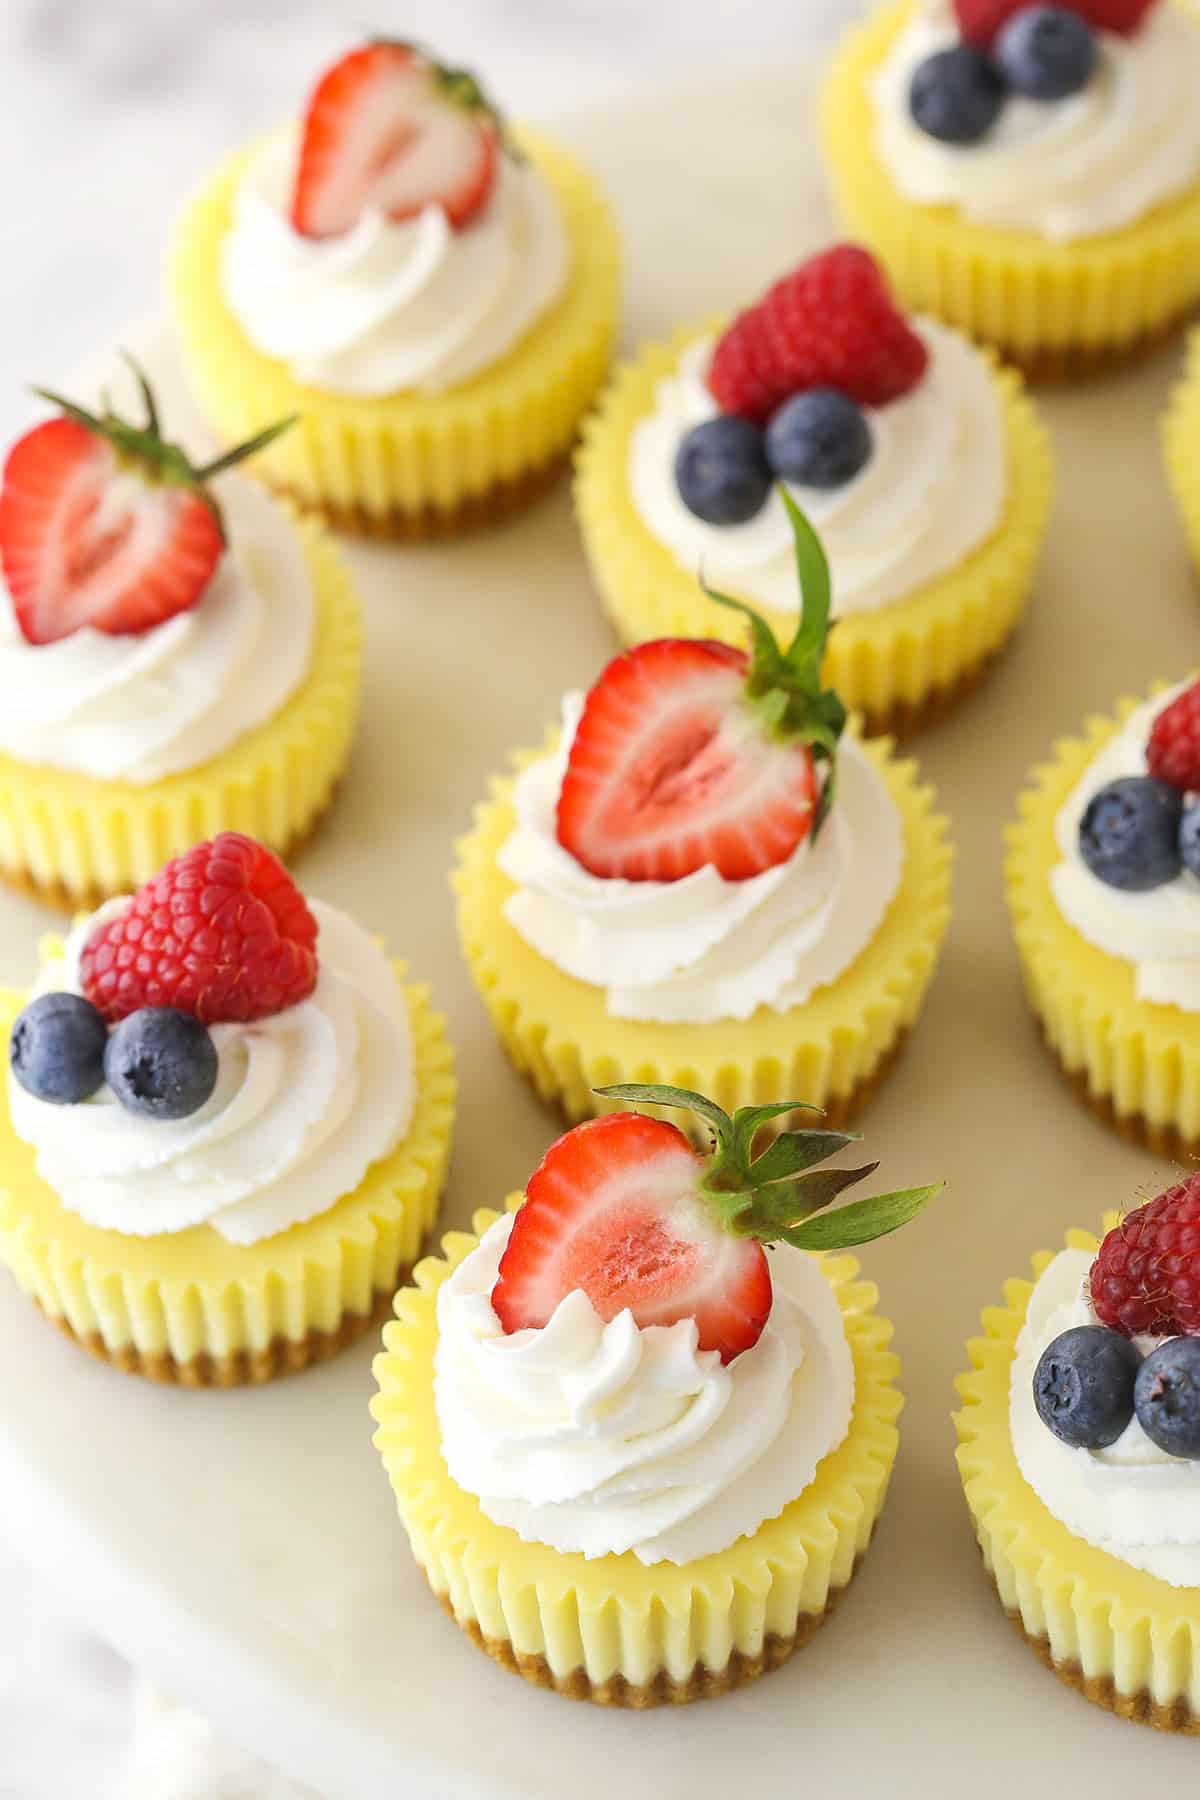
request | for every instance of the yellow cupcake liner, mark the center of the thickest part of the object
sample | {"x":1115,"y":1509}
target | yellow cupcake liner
{"x":1127,"y":1640}
{"x":1042,"y":303}
{"x":191,"y":1308}
{"x":78,"y":840}
{"x":558,"y":1032}
{"x":609,"y":1628}
{"x":891,"y":665}
{"x":1137,"y":1060}
{"x":1181,"y":443}
{"x":379,"y":461}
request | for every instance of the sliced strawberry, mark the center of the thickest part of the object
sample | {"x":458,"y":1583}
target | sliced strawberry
{"x":389,"y":129}
{"x":105,"y":525}
{"x":692,"y":754}
{"x":624,"y":1210}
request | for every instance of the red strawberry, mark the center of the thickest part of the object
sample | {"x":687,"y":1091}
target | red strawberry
{"x":222,"y":933}
{"x":1146,"y":1278}
{"x":104,"y":525}
{"x":624,"y":1210}
{"x":388,"y":128}
{"x":981,"y":21}
{"x":1173,"y":752}
{"x":830,"y":323}
{"x":691,"y":753}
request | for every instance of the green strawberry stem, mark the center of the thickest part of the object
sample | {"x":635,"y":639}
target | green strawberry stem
{"x":145,"y":446}
{"x":775,"y":1197}
{"x":784,"y":686}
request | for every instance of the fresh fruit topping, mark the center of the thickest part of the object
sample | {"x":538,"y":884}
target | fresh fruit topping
{"x":161,"y":1062}
{"x":56,"y":1049}
{"x":626,"y":1211}
{"x":821,"y":439}
{"x":1083,"y":1386}
{"x":692,"y":754}
{"x":1046,"y":52}
{"x":1123,"y":17}
{"x":1189,"y":838}
{"x":390,"y":130}
{"x":1146,"y":1279}
{"x":980,"y":21}
{"x":721,"y":470}
{"x":105,"y":525}
{"x":830,"y":323}
{"x":1166,"y":1397}
{"x":1173,"y":748}
{"x":222,"y":933}
{"x":1129,"y":834}
{"x":956,"y":95}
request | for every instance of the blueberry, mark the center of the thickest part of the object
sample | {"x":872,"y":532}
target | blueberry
{"x":1046,"y":52}
{"x":956,"y":95}
{"x":819,"y":439}
{"x":161,"y":1062}
{"x":1129,"y":835}
{"x":57,"y":1048}
{"x":721,"y":470}
{"x":1189,"y":838}
{"x":1083,"y":1386}
{"x":1167,"y":1397}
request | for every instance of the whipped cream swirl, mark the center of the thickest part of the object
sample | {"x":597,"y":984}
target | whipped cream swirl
{"x":603,"y":1438}
{"x":150,"y":704}
{"x":704,"y":948}
{"x":1158,"y":931}
{"x":392,"y":304}
{"x":1133,"y":1500}
{"x":305,"y":1102}
{"x":933,"y":490}
{"x":1066,"y":169}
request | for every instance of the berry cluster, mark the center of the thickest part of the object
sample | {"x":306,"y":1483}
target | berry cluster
{"x":158,"y":1061}
{"x":1011,"y":48}
{"x":1141,"y":831}
{"x":792,"y":376}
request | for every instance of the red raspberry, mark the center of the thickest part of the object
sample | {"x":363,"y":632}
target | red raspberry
{"x":1146,"y":1279}
{"x":830,"y":323}
{"x":221,"y":933}
{"x":980,"y":21}
{"x":1173,"y":752}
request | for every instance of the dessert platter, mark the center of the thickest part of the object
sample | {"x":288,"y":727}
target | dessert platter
{"x":500,"y":889}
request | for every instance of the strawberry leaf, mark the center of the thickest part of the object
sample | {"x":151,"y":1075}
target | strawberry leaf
{"x":748,"y":1121}
{"x":794,"y":1151}
{"x":778,"y":1208}
{"x":860,"y":1222}
{"x":639,"y":1093}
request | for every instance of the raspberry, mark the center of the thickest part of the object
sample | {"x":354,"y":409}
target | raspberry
{"x":1146,"y":1279}
{"x":979,"y":21}
{"x":1173,"y":752}
{"x":222,"y":933}
{"x":831,"y":323}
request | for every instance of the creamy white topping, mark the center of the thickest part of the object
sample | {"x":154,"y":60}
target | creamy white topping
{"x":704,"y":948}
{"x":603,"y":1438}
{"x":934,"y":489}
{"x":1133,"y":1499}
{"x":304,"y":1103}
{"x":141,"y":707}
{"x":1066,"y":169}
{"x":392,"y":305}
{"x":1158,"y":931}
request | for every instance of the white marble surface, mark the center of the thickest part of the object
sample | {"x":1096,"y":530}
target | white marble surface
{"x":108,"y":113}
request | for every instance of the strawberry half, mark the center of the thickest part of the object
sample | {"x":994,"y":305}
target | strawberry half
{"x":691,"y":753}
{"x":104,"y":525}
{"x":388,"y":128}
{"x":626,"y":1211}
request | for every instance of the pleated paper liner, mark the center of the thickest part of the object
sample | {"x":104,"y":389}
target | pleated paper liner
{"x":191,"y":1309}
{"x":1124,"y":1639}
{"x":73,"y":840}
{"x":1135,"y":1061}
{"x":1061,"y":310}
{"x":608,"y":1629}
{"x":1181,"y":443}
{"x":409,"y":464}
{"x":901,"y":666}
{"x":829,"y":1052}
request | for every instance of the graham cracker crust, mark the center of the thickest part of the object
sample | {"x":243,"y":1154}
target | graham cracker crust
{"x":1164,"y":1140}
{"x":904,"y":718}
{"x":701,"y":1684}
{"x":479,"y":512}
{"x":1101,"y":1690}
{"x":1065,"y":364}
{"x":241,"y":1368}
